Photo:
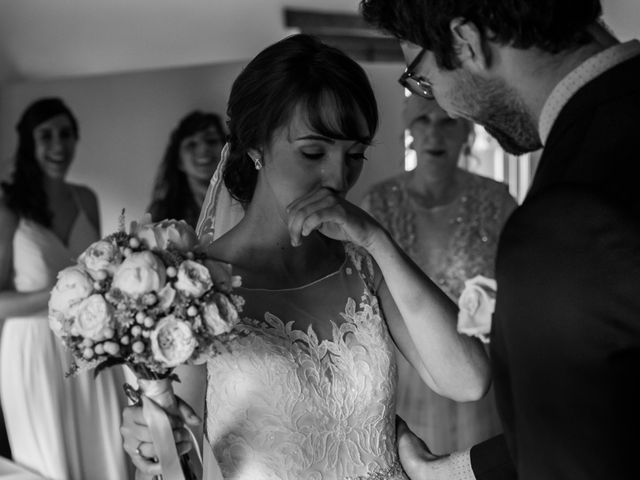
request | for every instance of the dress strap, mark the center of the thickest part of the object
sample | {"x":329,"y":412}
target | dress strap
{"x":76,"y":198}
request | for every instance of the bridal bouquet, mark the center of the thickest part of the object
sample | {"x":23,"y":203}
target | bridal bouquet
{"x":477,"y":303}
{"x":148,"y":298}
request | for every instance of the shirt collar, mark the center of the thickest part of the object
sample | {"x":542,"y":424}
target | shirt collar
{"x":579,"y":77}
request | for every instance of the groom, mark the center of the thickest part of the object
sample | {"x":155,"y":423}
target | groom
{"x":565,"y":344}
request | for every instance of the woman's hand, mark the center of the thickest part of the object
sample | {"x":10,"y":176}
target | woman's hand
{"x":333,"y":216}
{"x":137,"y":440}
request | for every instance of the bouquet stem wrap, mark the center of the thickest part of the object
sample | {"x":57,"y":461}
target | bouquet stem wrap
{"x":158,"y":400}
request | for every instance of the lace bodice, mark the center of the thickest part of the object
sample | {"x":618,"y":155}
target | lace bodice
{"x":284,"y":403}
{"x":469,"y":228}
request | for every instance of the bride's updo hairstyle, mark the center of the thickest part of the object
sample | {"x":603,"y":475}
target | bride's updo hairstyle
{"x":299,"y":70}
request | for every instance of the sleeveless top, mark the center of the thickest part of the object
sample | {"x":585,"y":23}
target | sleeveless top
{"x":38,"y":253}
{"x":283,"y":403}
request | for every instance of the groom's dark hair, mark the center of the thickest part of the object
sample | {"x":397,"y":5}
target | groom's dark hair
{"x":550,"y":25}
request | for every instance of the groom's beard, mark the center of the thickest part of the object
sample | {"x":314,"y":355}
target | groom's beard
{"x":504,"y":115}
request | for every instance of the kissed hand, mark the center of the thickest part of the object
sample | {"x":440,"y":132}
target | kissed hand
{"x":331,"y":215}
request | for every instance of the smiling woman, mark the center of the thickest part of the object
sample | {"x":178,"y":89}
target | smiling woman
{"x":191,"y":156}
{"x":60,"y":428}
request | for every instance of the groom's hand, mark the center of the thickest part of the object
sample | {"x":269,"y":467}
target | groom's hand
{"x":416,"y":458}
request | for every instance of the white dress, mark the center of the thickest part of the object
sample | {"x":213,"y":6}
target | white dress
{"x":61,"y":428}
{"x":285,"y":404}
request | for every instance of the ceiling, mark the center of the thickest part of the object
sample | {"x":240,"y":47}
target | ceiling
{"x":42,"y":39}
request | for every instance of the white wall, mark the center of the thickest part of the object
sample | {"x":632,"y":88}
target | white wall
{"x":125,"y":120}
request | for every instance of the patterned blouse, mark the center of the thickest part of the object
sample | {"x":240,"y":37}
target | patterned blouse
{"x":452,"y":242}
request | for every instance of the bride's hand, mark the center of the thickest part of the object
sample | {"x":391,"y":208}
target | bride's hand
{"x":137,"y":440}
{"x":333,"y":216}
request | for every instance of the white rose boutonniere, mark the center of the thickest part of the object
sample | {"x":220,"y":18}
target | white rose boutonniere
{"x":477,"y":303}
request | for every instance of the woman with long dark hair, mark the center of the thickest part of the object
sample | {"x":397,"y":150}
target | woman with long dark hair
{"x":191,"y":157}
{"x":63,"y":429}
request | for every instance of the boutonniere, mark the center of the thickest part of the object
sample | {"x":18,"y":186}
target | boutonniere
{"x":477,"y":303}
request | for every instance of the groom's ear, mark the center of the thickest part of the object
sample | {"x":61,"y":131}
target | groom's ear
{"x":470,"y":46}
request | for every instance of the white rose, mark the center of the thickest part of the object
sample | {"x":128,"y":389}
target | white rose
{"x":100,"y":256}
{"x":94,"y":318}
{"x":193,"y":279}
{"x":140,"y":273}
{"x":172,"y":341}
{"x":477,"y":303}
{"x":177,"y":234}
{"x":73,"y":286}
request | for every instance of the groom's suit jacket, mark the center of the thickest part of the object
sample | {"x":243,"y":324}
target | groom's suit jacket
{"x":565,"y":344}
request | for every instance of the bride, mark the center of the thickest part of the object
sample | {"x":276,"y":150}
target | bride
{"x":309,"y":393}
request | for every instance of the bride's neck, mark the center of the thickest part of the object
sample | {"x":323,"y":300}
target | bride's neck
{"x":261,"y":241}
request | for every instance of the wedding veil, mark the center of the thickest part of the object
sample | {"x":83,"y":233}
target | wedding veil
{"x":220,"y":211}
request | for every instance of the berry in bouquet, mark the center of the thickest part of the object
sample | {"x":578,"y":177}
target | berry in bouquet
{"x":151,"y":299}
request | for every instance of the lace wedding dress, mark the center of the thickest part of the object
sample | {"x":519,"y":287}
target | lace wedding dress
{"x":284,"y":403}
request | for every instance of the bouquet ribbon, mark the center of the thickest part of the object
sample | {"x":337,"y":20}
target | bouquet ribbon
{"x":162,"y":436}
{"x":156,"y":395}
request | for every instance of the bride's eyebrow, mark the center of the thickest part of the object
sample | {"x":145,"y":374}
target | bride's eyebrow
{"x":317,"y":137}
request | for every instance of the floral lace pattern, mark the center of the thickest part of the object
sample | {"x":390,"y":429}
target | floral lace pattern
{"x":284,"y":404}
{"x":477,"y":222}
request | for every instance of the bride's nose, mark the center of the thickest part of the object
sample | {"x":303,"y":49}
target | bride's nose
{"x":336,"y":176}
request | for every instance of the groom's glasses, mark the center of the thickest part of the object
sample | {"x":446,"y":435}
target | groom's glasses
{"x":416,"y":84}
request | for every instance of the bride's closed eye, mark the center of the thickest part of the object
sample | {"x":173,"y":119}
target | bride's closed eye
{"x":312,"y":155}
{"x":357,"y":156}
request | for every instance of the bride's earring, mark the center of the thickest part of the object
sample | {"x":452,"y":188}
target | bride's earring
{"x":256,"y":161}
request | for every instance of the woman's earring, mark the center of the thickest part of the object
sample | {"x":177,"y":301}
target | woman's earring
{"x":256,"y":162}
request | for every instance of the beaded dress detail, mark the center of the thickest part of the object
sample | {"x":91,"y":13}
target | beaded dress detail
{"x":475,"y":220}
{"x":284,"y":403}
